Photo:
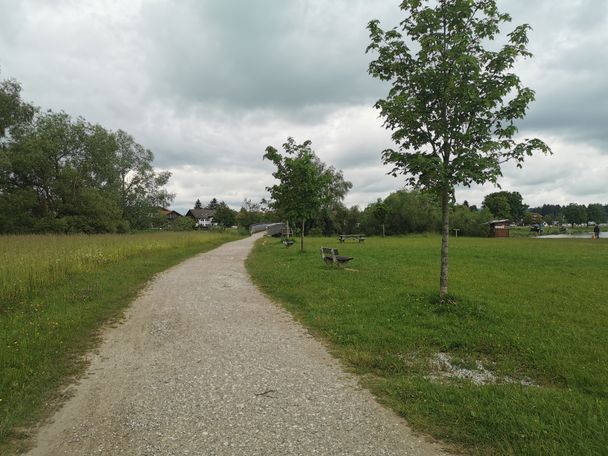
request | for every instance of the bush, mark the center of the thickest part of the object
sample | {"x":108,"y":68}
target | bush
{"x":182,"y":224}
{"x":468,"y":222}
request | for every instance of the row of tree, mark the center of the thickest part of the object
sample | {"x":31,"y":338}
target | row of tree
{"x":510,"y":205}
{"x":60,"y":174}
{"x":573,"y":213}
{"x":412,"y":211}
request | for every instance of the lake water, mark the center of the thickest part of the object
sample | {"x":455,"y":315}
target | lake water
{"x":573,"y":236}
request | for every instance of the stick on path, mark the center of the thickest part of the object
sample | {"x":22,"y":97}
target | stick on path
{"x":204,"y":364}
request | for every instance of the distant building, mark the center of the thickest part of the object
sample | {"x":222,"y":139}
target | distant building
{"x":498,"y":228}
{"x":202,"y":217}
{"x":168,"y":213}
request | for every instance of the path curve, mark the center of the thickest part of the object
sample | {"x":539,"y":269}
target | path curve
{"x":204,"y":364}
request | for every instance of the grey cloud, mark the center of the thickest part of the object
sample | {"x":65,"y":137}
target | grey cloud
{"x":208,"y":84}
{"x":261,"y":54}
{"x":568,"y":69}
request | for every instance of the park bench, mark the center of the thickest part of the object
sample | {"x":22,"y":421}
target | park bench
{"x":351,"y":237}
{"x":331,"y":256}
{"x":288,"y":242}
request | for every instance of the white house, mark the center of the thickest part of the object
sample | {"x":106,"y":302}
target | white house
{"x":203,"y":217}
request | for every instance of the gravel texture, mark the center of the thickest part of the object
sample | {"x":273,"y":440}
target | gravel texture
{"x":204,"y":364}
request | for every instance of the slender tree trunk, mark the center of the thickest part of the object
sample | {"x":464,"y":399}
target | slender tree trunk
{"x":445,"y":234}
{"x":383,"y":233}
{"x":302,"y":237}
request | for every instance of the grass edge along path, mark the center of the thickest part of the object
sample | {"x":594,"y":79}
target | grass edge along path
{"x":43,"y":341}
{"x":533,"y":312}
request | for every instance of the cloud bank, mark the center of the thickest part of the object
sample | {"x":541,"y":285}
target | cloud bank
{"x":207,"y":85}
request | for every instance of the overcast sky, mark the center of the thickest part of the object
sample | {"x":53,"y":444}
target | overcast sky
{"x":208,"y":84}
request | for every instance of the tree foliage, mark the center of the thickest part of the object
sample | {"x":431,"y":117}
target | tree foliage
{"x":252,"y":213}
{"x":224,"y":216}
{"x":506,"y":205}
{"x":67,"y":175}
{"x":213,"y":204}
{"x":13,"y":110}
{"x":142,"y":188}
{"x":575,"y":213}
{"x":596,"y":213}
{"x":453,"y":101}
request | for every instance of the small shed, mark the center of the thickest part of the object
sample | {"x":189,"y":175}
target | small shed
{"x":498,"y":228}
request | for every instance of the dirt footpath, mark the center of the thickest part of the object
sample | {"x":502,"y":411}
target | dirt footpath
{"x":204,"y":364}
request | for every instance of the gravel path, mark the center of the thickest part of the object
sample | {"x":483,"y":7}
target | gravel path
{"x":204,"y":364}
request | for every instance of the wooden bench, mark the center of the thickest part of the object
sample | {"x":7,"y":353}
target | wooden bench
{"x":331,"y":256}
{"x":351,"y":237}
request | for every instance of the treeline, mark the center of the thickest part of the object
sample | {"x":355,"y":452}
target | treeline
{"x":409,"y":212}
{"x":401,"y":212}
{"x":510,"y":205}
{"x":60,"y":174}
{"x":573,"y":213}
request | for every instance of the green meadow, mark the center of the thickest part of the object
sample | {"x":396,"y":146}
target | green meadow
{"x":55,"y":294}
{"x":516,"y":363}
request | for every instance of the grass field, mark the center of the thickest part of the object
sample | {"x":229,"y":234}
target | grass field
{"x":55,"y":293}
{"x":529,"y":321}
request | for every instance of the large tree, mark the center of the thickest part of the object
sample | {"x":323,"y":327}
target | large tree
{"x":64,"y":174}
{"x":509,"y":205}
{"x":596,"y":213}
{"x":575,"y":213}
{"x":453,"y":100}
{"x":60,"y":177}
{"x":13,"y":111}
{"x":224,"y":216}
{"x":305,"y":185}
{"x":141,"y":186}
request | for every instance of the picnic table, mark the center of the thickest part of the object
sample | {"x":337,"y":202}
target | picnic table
{"x":351,"y":237}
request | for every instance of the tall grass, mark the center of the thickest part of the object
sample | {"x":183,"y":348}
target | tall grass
{"x":32,"y":263}
{"x":55,"y":292}
{"x":534,"y":312}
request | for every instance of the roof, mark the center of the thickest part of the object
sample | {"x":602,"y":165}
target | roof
{"x":166,"y":212}
{"x":200,"y":214}
{"x":496,"y":222}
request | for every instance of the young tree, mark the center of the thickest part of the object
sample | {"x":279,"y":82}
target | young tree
{"x":249,"y":214}
{"x":305,"y":183}
{"x":453,"y":102}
